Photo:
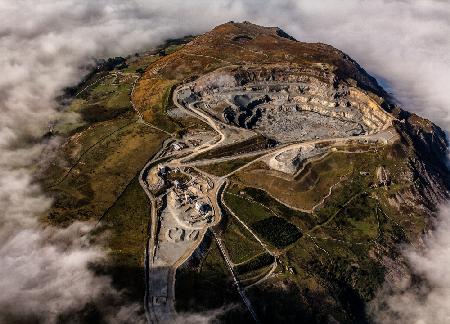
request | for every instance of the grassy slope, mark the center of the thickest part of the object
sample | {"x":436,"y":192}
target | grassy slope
{"x":209,"y":287}
{"x":95,"y":176}
{"x":240,"y":244}
{"x":100,"y":175}
{"x":224,"y":168}
{"x":309,"y":188}
{"x":126,"y":224}
{"x":332,"y":256}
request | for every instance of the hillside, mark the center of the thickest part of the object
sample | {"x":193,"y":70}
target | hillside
{"x":253,"y":170}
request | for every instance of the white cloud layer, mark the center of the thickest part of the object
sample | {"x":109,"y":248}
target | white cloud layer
{"x":425,"y":302}
{"x":44,"y":43}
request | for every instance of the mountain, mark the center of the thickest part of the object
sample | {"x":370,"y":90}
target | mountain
{"x":251,"y":173}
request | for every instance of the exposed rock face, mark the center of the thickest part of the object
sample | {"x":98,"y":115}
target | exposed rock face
{"x":428,"y":167}
{"x":289,"y":161}
{"x":288,"y":102}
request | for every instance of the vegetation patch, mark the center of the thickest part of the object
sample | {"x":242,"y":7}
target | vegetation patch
{"x":359,"y":221}
{"x":309,"y":188}
{"x":256,"y":263}
{"x":226,"y":167}
{"x":277,"y":231}
{"x":301,"y":219}
{"x":250,"y":145}
{"x":155,"y":112}
{"x":251,"y":277}
{"x":127,"y":219}
{"x":354,"y":189}
{"x":273,"y":229}
{"x":313,"y":183}
{"x":240,"y":244}
{"x":126,"y":222}
{"x":99,"y":174}
{"x":247,"y":211}
{"x":209,"y":287}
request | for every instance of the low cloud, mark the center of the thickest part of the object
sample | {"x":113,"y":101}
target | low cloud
{"x":44,"y":271}
{"x":427,"y":299}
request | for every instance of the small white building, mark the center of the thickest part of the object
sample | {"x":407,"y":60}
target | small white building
{"x":178,"y":146}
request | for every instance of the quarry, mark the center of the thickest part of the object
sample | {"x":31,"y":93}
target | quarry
{"x":285,"y":105}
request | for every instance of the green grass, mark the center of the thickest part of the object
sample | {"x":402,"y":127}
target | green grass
{"x":352,"y":188}
{"x":308,"y":188}
{"x":357,"y":222}
{"x":240,"y":244}
{"x":126,"y":224}
{"x":276,"y":231}
{"x":253,"y":276}
{"x":139,"y":62}
{"x":101,"y":170}
{"x":226,"y":167}
{"x":173,"y":48}
{"x":256,"y":263}
{"x":314,"y":182}
{"x":209,"y":287}
{"x":127,"y":220}
{"x":107,"y":100}
{"x":250,"y":145}
{"x":301,"y":219}
{"x":247,"y":211}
